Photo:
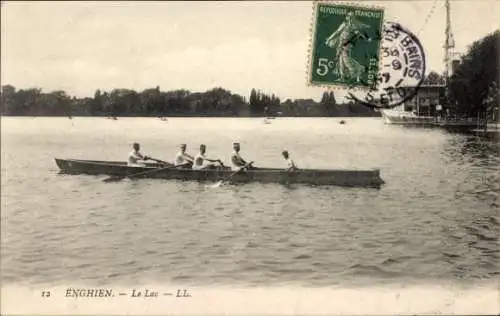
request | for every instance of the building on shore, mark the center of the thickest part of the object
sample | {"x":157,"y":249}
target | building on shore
{"x":429,"y":107}
{"x":428,"y":101}
{"x":422,"y":109}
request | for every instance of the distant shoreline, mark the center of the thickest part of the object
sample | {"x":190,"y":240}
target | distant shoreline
{"x":153,"y":102}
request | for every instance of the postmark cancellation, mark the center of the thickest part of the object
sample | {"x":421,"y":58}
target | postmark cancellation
{"x":345,"y":45}
{"x":401,"y":71}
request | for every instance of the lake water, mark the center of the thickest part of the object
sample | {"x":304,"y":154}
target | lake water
{"x":435,"y":220}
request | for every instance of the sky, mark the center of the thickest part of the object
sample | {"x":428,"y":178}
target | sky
{"x":83,"y":46}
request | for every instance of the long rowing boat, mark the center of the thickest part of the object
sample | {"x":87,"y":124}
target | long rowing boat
{"x":358,"y":178}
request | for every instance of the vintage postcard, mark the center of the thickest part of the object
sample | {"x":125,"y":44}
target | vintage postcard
{"x":250,"y":157}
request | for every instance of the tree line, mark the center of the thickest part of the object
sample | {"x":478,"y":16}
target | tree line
{"x":473,"y":88}
{"x":154,"y":102}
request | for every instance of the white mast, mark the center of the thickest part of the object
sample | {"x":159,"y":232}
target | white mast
{"x":449,"y":44}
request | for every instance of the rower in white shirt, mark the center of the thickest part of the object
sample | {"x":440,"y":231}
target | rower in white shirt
{"x":183,"y":159}
{"x":135,"y":158}
{"x":202,"y":162}
{"x":291,"y":164}
{"x":237,"y":162}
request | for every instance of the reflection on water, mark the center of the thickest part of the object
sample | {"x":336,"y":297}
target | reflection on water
{"x":479,"y":160}
{"x":475,"y":233}
{"x":435,"y":219}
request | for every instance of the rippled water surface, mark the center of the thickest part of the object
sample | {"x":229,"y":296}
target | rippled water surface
{"x":436,"y":218}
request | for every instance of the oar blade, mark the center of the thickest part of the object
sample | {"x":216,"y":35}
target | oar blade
{"x":217,"y":184}
{"x":228,"y":179}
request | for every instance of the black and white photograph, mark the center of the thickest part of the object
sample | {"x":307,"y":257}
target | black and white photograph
{"x":250,"y":157}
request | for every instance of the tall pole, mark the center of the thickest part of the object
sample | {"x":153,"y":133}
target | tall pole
{"x":449,"y":44}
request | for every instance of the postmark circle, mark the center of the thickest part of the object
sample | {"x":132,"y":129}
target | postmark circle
{"x":401,"y":69}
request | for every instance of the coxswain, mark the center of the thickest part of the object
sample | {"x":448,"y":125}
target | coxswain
{"x":135,"y":157}
{"x":183,"y":159}
{"x":291,"y":164}
{"x":237,"y":162}
{"x":200,"y":161}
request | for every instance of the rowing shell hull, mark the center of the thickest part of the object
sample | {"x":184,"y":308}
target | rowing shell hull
{"x":357,"y":178}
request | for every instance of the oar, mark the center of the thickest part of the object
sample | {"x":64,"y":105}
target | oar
{"x":118,"y":178}
{"x":219,"y":183}
{"x":158,"y":160}
{"x":486,"y":190}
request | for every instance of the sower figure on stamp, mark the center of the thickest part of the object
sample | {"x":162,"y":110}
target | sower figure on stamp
{"x":341,"y":41}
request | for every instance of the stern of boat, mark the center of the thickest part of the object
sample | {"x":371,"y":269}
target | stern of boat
{"x":377,"y":178}
{"x":62,"y":164}
{"x":347,"y":178}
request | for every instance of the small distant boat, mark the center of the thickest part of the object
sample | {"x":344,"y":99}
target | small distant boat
{"x":342,"y":122}
{"x":398,"y":116}
{"x":349,"y":178}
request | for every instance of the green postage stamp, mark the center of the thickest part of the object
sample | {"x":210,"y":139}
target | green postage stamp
{"x":345,"y":45}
